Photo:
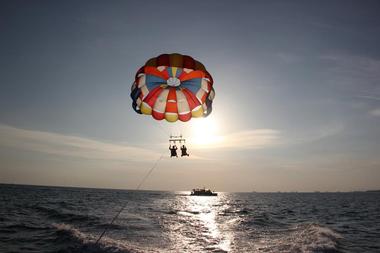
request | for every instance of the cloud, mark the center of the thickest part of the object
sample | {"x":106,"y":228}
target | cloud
{"x":320,"y":133}
{"x":375,"y":112}
{"x":288,"y":58}
{"x":264,"y":138}
{"x":72,"y":146}
{"x":369,"y":97}
{"x":358,"y":74}
{"x":248,"y":139}
{"x":356,"y":66}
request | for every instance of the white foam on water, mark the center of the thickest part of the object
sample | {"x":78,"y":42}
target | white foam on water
{"x":106,"y":244}
{"x":307,"y":238}
{"x":313,"y":237}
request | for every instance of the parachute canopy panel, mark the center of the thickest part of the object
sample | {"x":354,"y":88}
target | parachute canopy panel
{"x":173,"y":87}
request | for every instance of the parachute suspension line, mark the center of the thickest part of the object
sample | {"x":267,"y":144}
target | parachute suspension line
{"x":173,"y":138}
{"x":125,"y":205}
{"x":163,"y":129}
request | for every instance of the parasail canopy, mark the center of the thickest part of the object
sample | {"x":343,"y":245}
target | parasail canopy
{"x":173,"y":87}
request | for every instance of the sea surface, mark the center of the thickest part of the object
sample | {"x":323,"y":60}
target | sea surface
{"x":55,"y":219}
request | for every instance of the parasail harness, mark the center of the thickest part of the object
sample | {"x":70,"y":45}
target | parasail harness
{"x":174,"y":138}
{"x":173,"y":148}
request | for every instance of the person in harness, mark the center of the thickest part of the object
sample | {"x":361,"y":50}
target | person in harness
{"x":184,"y":151}
{"x":173,"y":150}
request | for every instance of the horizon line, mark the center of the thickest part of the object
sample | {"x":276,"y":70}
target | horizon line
{"x":152,"y":190}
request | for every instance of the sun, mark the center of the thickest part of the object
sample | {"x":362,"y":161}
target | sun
{"x":205,"y":132}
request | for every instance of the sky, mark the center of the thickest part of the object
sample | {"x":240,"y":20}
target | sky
{"x":297,"y":105}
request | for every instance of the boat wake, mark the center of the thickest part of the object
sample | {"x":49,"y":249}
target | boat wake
{"x":66,"y":220}
{"x":78,"y":241}
{"x":307,"y":238}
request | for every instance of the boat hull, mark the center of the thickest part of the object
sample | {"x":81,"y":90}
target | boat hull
{"x":206,"y":195}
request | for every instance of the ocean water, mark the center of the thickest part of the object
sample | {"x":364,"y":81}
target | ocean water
{"x":54,"y":219}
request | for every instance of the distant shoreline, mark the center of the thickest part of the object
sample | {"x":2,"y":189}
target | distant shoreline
{"x":126,"y":189}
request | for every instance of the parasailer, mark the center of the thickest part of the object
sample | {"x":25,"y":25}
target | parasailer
{"x":173,"y":87}
{"x":173,"y":147}
{"x":184,"y":151}
{"x":173,"y":150}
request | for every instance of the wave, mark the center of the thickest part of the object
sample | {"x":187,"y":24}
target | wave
{"x":86,"y":242}
{"x":316,"y":238}
{"x":188,"y":212}
{"x":236,"y":211}
{"x":171,"y":212}
{"x":254,"y":219}
{"x":65,"y":216}
{"x":112,"y":226}
{"x":307,"y":238}
{"x":21,"y":227}
{"x":184,"y":212}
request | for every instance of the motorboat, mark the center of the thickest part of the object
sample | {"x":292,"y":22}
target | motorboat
{"x":203,"y":192}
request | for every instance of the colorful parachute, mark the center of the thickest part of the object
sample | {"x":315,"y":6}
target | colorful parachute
{"x":173,"y":87}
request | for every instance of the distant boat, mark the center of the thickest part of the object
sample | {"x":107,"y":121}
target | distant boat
{"x":203,"y":192}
